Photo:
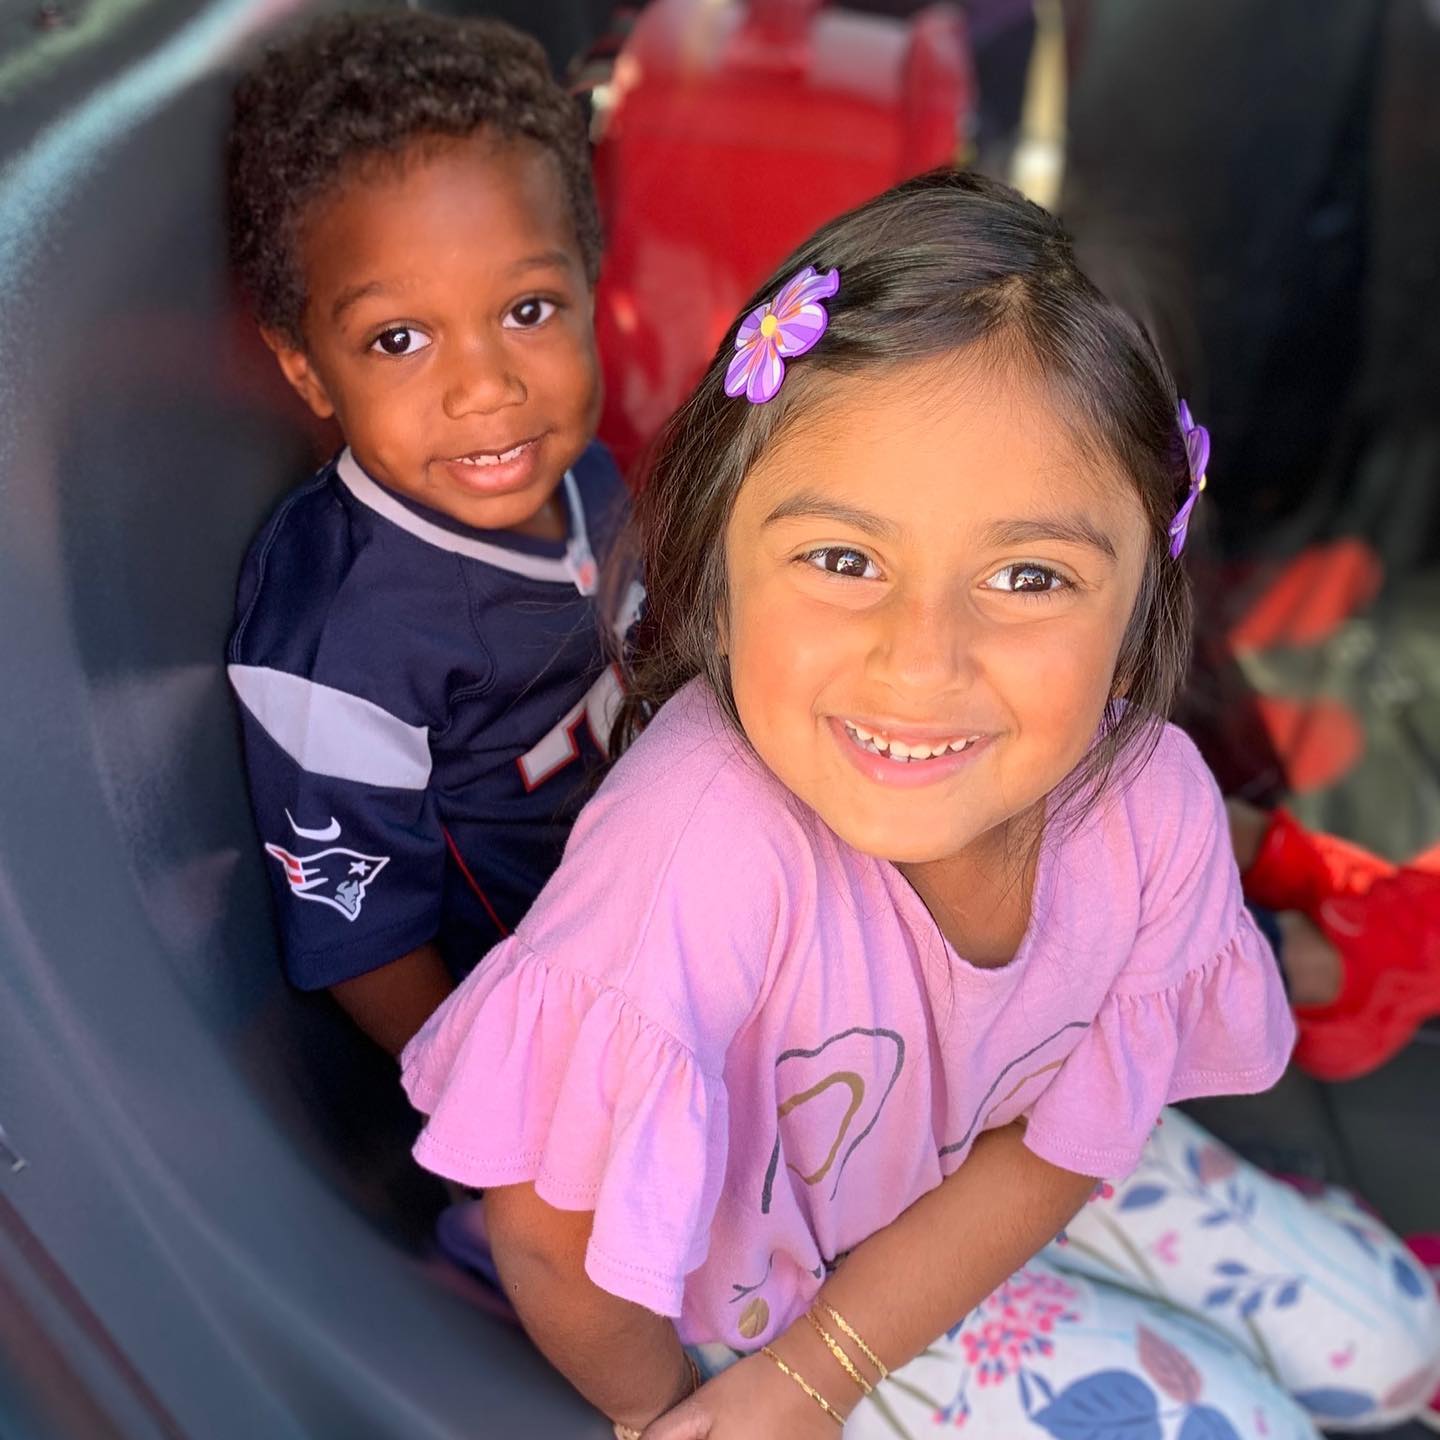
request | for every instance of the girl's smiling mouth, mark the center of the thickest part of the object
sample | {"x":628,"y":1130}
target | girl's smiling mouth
{"x":889,"y":758}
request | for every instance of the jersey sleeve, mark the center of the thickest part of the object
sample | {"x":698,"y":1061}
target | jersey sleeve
{"x":352,"y":837}
{"x":1198,"y":1008}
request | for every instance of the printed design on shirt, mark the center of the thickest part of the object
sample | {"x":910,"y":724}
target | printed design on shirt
{"x":754,"y":1319}
{"x":596,"y":710}
{"x":337,"y":877}
{"x":628,"y":611}
{"x":988,"y":1105}
{"x":844,"y":1099}
{"x":330,"y":831}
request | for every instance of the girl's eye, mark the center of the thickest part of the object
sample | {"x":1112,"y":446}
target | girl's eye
{"x":529,"y":313}
{"x":1027,"y":580}
{"x":400,"y":340}
{"x":840,"y":560}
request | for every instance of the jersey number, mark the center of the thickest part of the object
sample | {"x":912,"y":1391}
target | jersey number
{"x":597,"y":710}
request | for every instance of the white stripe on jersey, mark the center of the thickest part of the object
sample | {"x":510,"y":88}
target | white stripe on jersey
{"x":532,"y":567}
{"x":331,"y":732}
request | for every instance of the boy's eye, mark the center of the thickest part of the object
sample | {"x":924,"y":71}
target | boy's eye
{"x":529,"y":313}
{"x":401,"y":340}
{"x":841,"y":560}
{"x":1027,"y":580}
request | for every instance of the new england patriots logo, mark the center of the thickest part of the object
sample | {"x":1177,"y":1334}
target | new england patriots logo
{"x":336,"y":877}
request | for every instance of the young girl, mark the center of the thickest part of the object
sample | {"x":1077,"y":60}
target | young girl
{"x":906,"y":915}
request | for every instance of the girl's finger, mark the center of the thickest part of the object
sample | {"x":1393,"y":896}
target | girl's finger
{"x":687,"y":1421}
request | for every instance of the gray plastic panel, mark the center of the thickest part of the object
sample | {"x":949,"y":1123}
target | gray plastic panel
{"x":215,"y":1230}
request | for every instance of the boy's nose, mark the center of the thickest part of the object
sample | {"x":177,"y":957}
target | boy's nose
{"x":479,"y":380}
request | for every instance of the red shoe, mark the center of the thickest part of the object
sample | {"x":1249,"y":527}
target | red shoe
{"x":1297,"y":869}
{"x":1389,"y":943}
{"x":1385,"y":923}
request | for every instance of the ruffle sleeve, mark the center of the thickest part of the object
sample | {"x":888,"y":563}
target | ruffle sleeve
{"x":1222,"y":1028}
{"x":533,"y":1072}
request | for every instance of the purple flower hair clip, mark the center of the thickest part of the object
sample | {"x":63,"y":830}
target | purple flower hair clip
{"x":1197,"y":452}
{"x":777,"y":331}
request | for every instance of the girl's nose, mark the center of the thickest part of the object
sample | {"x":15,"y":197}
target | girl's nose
{"x":479,"y":380}
{"x":926,"y":646}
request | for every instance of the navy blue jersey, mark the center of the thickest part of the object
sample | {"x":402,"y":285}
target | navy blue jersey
{"x":424,"y":705}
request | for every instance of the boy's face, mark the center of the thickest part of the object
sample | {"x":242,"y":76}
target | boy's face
{"x":448,"y":328}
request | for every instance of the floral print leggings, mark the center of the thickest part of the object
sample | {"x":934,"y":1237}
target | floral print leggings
{"x":1200,"y":1299}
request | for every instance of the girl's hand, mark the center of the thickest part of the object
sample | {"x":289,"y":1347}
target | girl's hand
{"x":751,"y":1400}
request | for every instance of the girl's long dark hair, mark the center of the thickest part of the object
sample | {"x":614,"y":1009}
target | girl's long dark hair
{"x":943,"y":262}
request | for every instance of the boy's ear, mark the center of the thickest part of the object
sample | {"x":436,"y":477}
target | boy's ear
{"x":295,"y":366}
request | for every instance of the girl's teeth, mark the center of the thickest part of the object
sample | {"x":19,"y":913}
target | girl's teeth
{"x":902,"y":752}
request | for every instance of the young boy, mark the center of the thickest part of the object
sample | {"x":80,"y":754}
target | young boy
{"x":419,"y":652}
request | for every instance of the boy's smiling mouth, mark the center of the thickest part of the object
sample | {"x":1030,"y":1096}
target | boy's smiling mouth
{"x":483,"y":458}
{"x":497,"y":471}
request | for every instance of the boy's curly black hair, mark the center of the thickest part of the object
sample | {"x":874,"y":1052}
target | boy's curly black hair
{"x":352,"y":86}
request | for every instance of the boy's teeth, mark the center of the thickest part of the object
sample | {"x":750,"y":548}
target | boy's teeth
{"x":503,"y":458}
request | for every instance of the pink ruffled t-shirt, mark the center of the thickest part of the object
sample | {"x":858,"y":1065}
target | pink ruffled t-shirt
{"x":746,"y":1046}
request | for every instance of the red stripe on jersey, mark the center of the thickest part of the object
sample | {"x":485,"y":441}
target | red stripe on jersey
{"x":484,"y":899}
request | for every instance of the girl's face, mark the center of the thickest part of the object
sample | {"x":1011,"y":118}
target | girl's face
{"x":928,"y":566}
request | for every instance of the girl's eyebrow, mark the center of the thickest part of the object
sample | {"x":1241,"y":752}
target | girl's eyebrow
{"x":1073,"y":529}
{"x":807,"y":504}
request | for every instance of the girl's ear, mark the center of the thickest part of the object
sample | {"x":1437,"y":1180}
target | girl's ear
{"x":295,"y":366}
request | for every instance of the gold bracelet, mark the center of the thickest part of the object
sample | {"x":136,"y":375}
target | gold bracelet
{"x":626,"y":1432}
{"x":849,"y":1330}
{"x":838,"y":1351}
{"x":805,"y":1385}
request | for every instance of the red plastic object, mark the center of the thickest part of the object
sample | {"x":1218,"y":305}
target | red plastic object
{"x":730,"y":131}
{"x":1312,"y":596}
{"x":1318,"y":741}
